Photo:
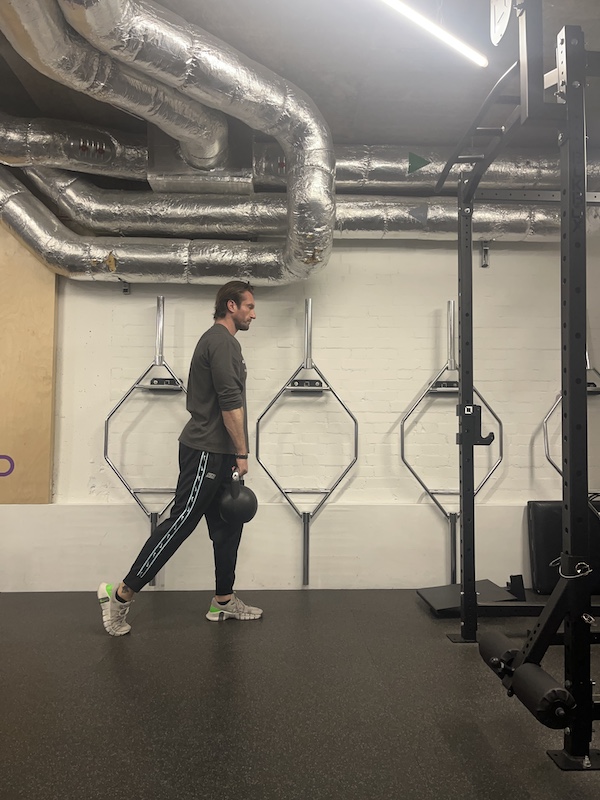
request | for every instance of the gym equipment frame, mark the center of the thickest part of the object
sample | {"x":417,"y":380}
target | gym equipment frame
{"x":306,"y":386}
{"x":445,"y":600}
{"x":569,"y":706}
{"x":156,"y":384}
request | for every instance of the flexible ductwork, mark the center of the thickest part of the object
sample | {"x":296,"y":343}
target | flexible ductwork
{"x":169,"y":172}
{"x":156,"y":260}
{"x":387,"y":168}
{"x":73,"y":146}
{"x":147,"y":213}
{"x":131,"y":260}
{"x":367,"y":169}
{"x":183,"y":56}
{"x":37,"y":31}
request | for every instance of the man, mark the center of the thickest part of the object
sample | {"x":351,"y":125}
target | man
{"x":212,"y":445}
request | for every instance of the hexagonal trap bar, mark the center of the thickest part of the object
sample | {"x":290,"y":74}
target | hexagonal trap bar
{"x":445,"y":382}
{"x":593,"y":388}
{"x":307,"y":386}
{"x":146,"y":383}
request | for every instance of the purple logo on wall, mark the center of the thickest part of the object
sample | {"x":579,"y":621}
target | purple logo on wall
{"x":11,"y":465}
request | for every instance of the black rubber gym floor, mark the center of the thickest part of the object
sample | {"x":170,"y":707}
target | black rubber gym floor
{"x":333,"y":694}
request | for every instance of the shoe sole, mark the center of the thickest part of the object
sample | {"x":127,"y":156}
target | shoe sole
{"x":221,"y":616}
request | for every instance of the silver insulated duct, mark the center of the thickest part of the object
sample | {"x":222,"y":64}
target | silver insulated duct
{"x":412,"y":169}
{"x":145,"y":213}
{"x":37,"y":31}
{"x":107,"y":258}
{"x":167,"y":48}
{"x":302,"y":161}
{"x":73,"y":146}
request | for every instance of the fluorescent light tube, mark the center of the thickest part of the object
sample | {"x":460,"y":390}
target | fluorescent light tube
{"x":438,"y":32}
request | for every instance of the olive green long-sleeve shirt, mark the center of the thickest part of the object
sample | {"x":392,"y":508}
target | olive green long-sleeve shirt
{"x":217,"y":382}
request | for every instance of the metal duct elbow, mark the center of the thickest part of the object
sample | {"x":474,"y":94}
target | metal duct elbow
{"x":166,"y":47}
{"x":100,"y":258}
{"x":72,"y":146}
{"x":37,"y":31}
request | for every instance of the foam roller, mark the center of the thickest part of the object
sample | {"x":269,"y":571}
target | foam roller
{"x":496,"y":650}
{"x":549,"y":702}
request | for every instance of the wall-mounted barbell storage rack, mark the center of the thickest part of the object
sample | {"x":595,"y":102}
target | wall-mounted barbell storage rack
{"x":445,"y":600}
{"x":445,"y":383}
{"x":307,"y":387}
{"x":154,"y":384}
{"x":592,"y":388}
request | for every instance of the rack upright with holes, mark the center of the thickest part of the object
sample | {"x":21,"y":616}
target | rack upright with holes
{"x":569,"y":706}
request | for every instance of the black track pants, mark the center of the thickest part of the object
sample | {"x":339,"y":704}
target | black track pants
{"x":202,"y":478}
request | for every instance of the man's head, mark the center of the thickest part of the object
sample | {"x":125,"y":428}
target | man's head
{"x":235,"y":302}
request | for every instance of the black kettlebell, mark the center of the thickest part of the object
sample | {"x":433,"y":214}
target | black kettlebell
{"x":238,"y":503}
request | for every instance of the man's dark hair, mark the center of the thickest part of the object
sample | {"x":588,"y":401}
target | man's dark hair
{"x":234,"y":290}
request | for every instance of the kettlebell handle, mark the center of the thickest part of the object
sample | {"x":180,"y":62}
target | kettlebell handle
{"x":236,"y":482}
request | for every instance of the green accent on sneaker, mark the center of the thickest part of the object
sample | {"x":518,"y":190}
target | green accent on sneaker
{"x":214,"y":610}
{"x":109,"y":590}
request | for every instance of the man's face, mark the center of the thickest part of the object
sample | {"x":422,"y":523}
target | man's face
{"x":243,"y":314}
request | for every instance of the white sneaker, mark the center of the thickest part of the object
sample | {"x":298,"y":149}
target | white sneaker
{"x":234,"y":609}
{"x":113,"y":612}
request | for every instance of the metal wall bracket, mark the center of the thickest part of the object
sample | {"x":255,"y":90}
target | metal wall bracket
{"x":485,"y":254}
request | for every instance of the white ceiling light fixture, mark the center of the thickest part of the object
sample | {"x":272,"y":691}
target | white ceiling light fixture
{"x":439,"y":33}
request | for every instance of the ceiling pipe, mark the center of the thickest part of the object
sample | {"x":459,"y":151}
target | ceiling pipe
{"x":99,"y":258}
{"x":412,"y":169}
{"x":157,"y":260}
{"x":166,"y":47}
{"x":72,"y":146}
{"x":146,"y":213}
{"x":37,"y":31}
{"x":359,"y":169}
{"x":364,"y":169}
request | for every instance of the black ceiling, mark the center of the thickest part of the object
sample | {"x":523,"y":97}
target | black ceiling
{"x":375,"y":77}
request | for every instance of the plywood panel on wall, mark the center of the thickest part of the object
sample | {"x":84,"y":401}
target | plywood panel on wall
{"x":27,"y":336}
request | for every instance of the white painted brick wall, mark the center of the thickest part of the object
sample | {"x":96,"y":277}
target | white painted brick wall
{"x":379,"y":336}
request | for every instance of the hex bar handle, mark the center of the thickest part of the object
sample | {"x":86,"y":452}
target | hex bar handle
{"x":549,"y":458}
{"x":325,"y":491}
{"x":403,"y":422}
{"x":450,"y":366}
{"x":308,"y":363}
{"x":158,"y":490}
{"x":591,"y":390}
{"x":159,"y":359}
{"x":500,"y":458}
{"x":451,"y":355}
{"x":133,"y":492}
{"x":305,"y":547}
{"x":307,"y":516}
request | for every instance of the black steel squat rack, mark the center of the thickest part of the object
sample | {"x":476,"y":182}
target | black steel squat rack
{"x":570,"y":706}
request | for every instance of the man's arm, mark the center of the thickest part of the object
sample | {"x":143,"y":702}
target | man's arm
{"x":234,"y":423}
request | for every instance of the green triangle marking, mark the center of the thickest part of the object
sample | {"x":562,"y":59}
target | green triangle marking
{"x":416,"y":162}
